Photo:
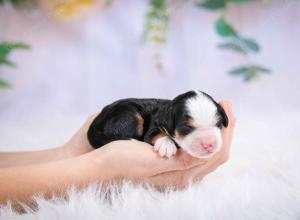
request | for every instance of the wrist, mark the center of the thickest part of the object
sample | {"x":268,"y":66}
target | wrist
{"x":71,"y":149}
{"x":100,"y":166}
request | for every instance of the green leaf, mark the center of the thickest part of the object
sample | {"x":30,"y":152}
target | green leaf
{"x":261,"y":69}
{"x":7,"y":47}
{"x":234,"y":46}
{"x":250,"y":44}
{"x":224,"y":29}
{"x":240,"y":1}
{"x":213,"y":4}
{"x":250,"y":76}
{"x":246,"y":69}
{"x":4,"y":84}
{"x":7,"y":62}
{"x":158,"y":4}
{"x":24,"y":3}
{"x":219,"y":4}
{"x":241,"y":45}
{"x":249,"y":72}
{"x":240,"y":70}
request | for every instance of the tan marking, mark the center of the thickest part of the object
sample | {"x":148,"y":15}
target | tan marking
{"x":140,"y":124}
{"x":190,"y":122}
{"x":177,"y":135}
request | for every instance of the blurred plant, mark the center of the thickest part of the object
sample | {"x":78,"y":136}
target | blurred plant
{"x":71,"y":8}
{"x":20,"y":3}
{"x":235,"y":41}
{"x":157,"y":23}
{"x":60,"y":8}
{"x":5,"y":49}
{"x":155,"y":30}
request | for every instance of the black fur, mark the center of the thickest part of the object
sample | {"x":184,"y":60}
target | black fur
{"x":120,"y":120}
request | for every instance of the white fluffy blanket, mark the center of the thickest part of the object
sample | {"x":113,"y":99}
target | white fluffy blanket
{"x":261,"y":181}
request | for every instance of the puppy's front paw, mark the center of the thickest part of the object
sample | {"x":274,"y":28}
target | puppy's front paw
{"x":165,"y":146}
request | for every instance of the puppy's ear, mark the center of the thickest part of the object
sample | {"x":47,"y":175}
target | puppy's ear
{"x":221,"y":112}
{"x":176,"y":112}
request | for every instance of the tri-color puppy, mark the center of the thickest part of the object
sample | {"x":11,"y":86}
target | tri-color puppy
{"x":192,"y":121}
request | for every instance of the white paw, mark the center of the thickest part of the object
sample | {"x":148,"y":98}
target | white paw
{"x":165,"y":146}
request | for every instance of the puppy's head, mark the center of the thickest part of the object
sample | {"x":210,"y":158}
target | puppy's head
{"x":198,"y":119}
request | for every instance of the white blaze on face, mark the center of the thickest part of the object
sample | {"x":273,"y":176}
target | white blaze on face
{"x":206,"y":139}
{"x":202,"y":110}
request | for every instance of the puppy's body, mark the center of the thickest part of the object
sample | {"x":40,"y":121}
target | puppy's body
{"x":130,"y":118}
{"x":178,"y":120}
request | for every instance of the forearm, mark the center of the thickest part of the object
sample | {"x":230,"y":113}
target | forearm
{"x":12,"y":159}
{"x":47,"y":179}
{"x":68,"y":150}
{"x":77,"y":145}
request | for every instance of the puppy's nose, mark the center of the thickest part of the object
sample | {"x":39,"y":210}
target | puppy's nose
{"x":206,"y":144}
{"x":207,"y":147}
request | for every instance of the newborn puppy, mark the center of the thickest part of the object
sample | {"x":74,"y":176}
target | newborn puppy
{"x":192,"y":121}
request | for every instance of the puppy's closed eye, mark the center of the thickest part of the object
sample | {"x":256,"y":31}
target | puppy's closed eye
{"x":184,"y":129}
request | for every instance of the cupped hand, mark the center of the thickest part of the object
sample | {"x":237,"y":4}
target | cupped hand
{"x":182,"y":178}
{"x":138,"y":162}
{"x":78,"y":143}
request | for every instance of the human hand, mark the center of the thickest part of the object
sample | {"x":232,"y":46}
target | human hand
{"x":78,"y":143}
{"x":182,"y":178}
{"x":223,"y":155}
{"x":138,"y":162}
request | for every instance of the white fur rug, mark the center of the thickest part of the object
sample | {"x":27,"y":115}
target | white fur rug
{"x":261,"y":180}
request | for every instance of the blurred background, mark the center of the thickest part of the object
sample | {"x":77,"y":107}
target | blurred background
{"x":61,"y":61}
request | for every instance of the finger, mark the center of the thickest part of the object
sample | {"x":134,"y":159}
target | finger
{"x":199,"y":172}
{"x":185,"y":161}
{"x":221,"y":156}
{"x":88,"y":122}
{"x":181,"y":178}
{"x":152,"y":163}
{"x":227,"y":106}
{"x":181,"y":161}
{"x":232,"y":117}
{"x":195,"y":168}
{"x":227,"y":132}
{"x":198,"y":176}
{"x":173,"y":179}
